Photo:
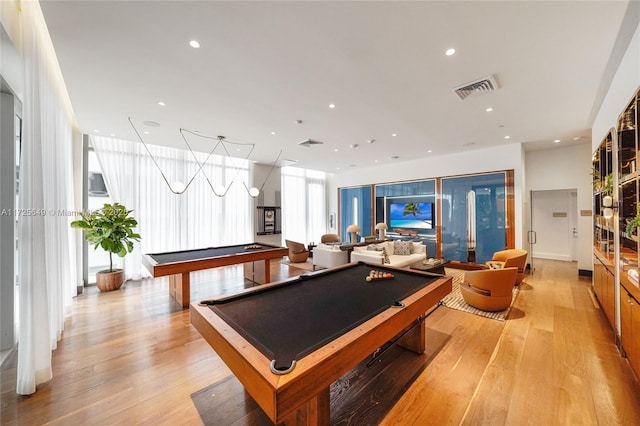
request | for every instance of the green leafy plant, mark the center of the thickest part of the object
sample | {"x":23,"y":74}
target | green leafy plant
{"x":633,"y":223}
{"x":111,"y":228}
{"x":607,"y":188}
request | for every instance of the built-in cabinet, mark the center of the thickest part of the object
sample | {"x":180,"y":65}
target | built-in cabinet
{"x":615,"y":204}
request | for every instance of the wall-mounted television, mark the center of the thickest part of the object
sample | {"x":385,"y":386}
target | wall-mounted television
{"x":410,"y":213}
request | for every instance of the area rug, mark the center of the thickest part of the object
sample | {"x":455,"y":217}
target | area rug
{"x":307,"y":266}
{"x":455,"y":300}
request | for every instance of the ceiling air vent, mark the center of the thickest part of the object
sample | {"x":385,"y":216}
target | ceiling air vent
{"x":308,"y":142}
{"x":487,"y":84}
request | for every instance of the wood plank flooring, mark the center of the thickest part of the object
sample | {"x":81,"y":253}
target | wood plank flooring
{"x":131,"y":357}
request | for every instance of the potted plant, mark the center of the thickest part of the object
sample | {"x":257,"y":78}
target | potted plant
{"x":111,"y":228}
{"x":633,"y":224}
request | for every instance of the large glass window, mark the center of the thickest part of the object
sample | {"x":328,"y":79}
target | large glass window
{"x":356,"y":209}
{"x":478,"y":200}
{"x":304,"y":204}
{"x":98,"y":259}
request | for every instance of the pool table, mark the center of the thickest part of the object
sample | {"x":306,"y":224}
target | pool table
{"x":288,"y":341}
{"x":179,"y":264}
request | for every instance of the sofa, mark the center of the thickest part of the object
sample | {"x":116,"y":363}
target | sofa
{"x":328,"y":256}
{"x":398,"y":253}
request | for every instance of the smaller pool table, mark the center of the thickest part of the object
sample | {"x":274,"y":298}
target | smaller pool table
{"x":287,"y":342}
{"x":179,"y":264}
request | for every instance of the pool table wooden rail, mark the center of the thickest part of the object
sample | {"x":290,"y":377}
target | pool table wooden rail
{"x":179,"y":271}
{"x":304,"y":392}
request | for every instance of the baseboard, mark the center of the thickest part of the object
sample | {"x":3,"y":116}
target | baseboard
{"x":585,"y":273}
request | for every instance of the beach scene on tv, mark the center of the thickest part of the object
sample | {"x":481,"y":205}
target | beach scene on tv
{"x":411,"y":215}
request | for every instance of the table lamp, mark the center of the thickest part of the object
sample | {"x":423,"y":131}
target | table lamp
{"x":354,"y":229}
{"x":381,"y":227}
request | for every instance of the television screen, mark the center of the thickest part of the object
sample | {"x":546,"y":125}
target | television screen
{"x":411,"y":215}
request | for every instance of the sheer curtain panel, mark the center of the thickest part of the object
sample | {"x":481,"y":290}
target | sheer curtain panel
{"x":304,"y":204}
{"x":46,"y":269}
{"x":167,"y":221}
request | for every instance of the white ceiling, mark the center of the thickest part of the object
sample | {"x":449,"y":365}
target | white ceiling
{"x":264,"y":65}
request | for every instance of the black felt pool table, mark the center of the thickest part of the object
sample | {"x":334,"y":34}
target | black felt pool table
{"x":179,"y":264}
{"x":287,"y":342}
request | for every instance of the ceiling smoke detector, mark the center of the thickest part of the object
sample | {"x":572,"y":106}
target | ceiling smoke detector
{"x":309,"y":142}
{"x":487,"y":84}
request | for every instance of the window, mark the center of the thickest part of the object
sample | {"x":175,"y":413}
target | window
{"x":304,"y":204}
{"x":97,"y":259}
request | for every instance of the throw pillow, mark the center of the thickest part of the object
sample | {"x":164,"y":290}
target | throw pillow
{"x":372,"y":247}
{"x":402,"y":248}
{"x":419,"y":248}
{"x":385,"y":256}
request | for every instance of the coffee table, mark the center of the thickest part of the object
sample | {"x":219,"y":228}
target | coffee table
{"x":436,"y":267}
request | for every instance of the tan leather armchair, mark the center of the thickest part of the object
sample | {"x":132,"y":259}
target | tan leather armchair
{"x":297,"y":251}
{"x":510,"y":258}
{"x":489,"y":289}
{"x":330,"y":238}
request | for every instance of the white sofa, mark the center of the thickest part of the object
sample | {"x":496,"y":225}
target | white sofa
{"x":328,"y":256}
{"x":368,"y":254}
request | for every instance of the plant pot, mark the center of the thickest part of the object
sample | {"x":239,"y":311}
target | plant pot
{"x":110,"y":280}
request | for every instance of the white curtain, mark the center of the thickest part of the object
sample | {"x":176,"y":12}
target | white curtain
{"x":304,"y":205}
{"x":167,"y":221}
{"x":47,"y":279}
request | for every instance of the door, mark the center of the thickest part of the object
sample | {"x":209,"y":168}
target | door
{"x":553,"y":233}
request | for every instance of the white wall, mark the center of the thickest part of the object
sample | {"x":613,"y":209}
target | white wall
{"x":478,"y":161}
{"x":565,"y":168}
{"x":11,"y":68}
{"x":623,"y":86}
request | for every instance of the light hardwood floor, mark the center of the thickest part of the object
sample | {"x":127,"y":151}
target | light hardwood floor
{"x":131,"y":357}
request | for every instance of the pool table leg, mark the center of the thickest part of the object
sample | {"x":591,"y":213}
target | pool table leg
{"x":314,"y":412}
{"x":415,"y":340}
{"x":258,"y":272}
{"x":179,"y":288}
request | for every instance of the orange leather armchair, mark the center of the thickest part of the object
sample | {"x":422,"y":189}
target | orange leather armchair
{"x":297,"y":251}
{"x":330,"y":238}
{"x":489,"y":289}
{"x":510,"y":258}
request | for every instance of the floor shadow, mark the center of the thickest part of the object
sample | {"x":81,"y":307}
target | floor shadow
{"x":525,"y":287}
{"x":514,"y":314}
{"x":363,"y":396}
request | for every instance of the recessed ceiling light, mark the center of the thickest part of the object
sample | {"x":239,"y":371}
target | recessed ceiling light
{"x":450,"y":52}
{"x":577,"y":138}
{"x":273,"y":133}
{"x":194,"y":44}
{"x":151,"y":123}
{"x":335,"y":150}
{"x":507,"y":137}
{"x":161,"y":103}
{"x":394,"y":134}
{"x":332,"y":105}
{"x":395,"y":157}
{"x":429,"y":151}
{"x":112,"y":134}
{"x":556,"y":141}
{"x":489,"y":109}
{"x":371,"y":141}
